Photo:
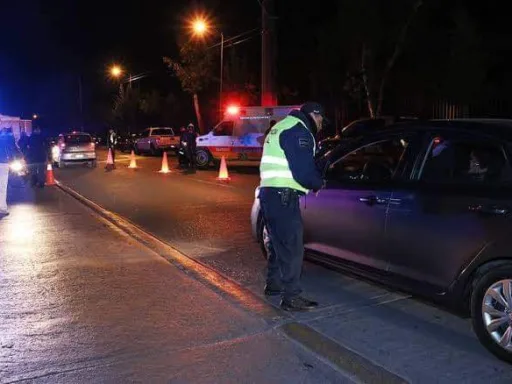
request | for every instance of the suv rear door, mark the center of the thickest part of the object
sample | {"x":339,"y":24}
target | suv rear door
{"x":453,"y":206}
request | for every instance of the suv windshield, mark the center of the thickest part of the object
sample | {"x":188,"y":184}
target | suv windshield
{"x":77,"y":139}
{"x":162,"y":132}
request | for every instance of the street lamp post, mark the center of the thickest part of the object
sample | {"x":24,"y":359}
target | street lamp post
{"x":200,"y":27}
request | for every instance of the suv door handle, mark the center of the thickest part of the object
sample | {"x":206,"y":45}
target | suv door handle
{"x":372,"y":200}
{"x":489,"y":210}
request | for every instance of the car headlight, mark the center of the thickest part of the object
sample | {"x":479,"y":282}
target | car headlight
{"x":17,"y":166}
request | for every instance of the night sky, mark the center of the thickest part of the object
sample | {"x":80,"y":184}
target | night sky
{"x":46,"y":45}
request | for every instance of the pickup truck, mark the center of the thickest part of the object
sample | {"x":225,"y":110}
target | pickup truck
{"x":156,"y":140}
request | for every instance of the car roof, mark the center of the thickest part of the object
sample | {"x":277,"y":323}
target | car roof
{"x":497,"y":128}
{"x":75,"y":134}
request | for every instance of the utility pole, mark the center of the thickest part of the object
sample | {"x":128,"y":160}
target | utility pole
{"x":268,"y":54}
{"x":221,"y":73}
{"x":80,"y":102}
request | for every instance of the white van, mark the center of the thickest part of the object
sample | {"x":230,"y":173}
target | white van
{"x":239,"y":136}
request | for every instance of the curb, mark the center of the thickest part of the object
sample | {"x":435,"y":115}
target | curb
{"x":343,"y":358}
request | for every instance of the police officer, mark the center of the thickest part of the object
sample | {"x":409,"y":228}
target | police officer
{"x":189,"y":137}
{"x":112,"y":143}
{"x":287,"y":172}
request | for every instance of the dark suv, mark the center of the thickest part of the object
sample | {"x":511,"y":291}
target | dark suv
{"x":425,"y":207}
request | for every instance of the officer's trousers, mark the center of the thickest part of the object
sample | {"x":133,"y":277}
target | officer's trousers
{"x":281,"y":212}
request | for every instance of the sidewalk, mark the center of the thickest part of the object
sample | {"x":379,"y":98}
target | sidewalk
{"x":81,"y":302}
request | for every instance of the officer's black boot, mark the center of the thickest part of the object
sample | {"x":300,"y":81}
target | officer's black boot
{"x":298,"y":304}
{"x":272,"y":290}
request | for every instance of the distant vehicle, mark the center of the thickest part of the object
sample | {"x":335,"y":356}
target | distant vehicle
{"x":358,"y":128}
{"x":239,"y":136}
{"x":425,"y":207}
{"x":156,"y":140}
{"x":126,"y":142}
{"x":74,"y":148}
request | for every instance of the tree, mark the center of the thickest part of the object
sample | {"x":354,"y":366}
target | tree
{"x":239,"y":83}
{"x":467,"y":64}
{"x":126,"y":109}
{"x":373,"y":34}
{"x":194,"y":69}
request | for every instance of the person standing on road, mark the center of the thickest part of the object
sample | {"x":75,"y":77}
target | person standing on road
{"x":37,"y":157}
{"x":8,"y":151}
{"x":288,"y":171}
{"x":112,"y":143}
{"x":23,"y":143}
{"x":190,"y":140}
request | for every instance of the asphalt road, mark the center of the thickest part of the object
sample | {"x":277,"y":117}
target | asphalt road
{"x":209,"y":221}
{"x":82,"y":302}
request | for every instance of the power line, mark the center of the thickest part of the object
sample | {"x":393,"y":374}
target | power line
{"x":235,"y":37}
{"x":239,"y":41}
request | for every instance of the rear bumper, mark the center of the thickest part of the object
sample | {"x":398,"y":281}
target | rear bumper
{"x":169,"y":146}
{"x":78,"y":157}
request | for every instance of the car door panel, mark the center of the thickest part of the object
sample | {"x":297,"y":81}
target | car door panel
{"x":432,"y":234}
{"x":434,"y":230}
{"x":346,"y":223}
{"x":346,"y":219}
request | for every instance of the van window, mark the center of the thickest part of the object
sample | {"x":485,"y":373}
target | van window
{"x":253,"y":126}
{"x":224,"y":129}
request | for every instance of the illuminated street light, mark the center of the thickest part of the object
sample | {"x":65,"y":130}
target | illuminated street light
{"x":199,"y":26}
{"x":34,"y":116}
{"x":116,"y":71}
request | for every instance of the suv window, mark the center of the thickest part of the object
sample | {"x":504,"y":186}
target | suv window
{"x":224,"y":129}
{"x":464,"y":161}
{"x":77,"y":139}
{"x":360,"y":127}
{"x":375,"y":162}
{"x":162,"y":132}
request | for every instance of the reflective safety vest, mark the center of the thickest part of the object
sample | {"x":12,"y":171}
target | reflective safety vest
{"x":274,"y":168}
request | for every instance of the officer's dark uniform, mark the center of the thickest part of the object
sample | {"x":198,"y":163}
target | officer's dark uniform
{"x":284,"y":180}
{"x":112,"y":143}
{"x":189,"y":137}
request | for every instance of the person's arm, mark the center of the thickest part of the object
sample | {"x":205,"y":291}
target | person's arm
{"x":298,"y":146}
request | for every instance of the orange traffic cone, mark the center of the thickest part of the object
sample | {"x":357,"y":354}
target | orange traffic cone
{"x":133,"y":162}
{"x":223,"y":171}
{"x":50,"y":180}
{"x":110,"y":161}
{"x":165,"y":165}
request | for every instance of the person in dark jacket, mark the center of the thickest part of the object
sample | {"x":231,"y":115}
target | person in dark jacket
{"x":37,"y":157}
{"x":23,"y":143}
{"x":8,"y":151}
{"x":112,"y":143}
{"x":288,"y":171}
{"x":189,"y":137}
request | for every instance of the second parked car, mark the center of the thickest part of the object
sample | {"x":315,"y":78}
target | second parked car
{"x":156,"y":140}
{"x":74,"y":148}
